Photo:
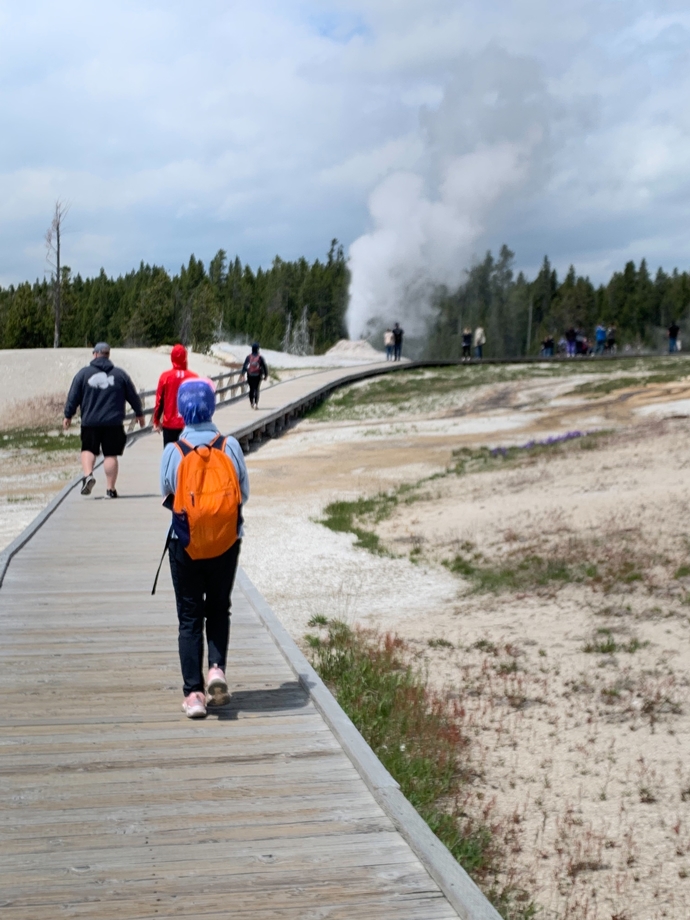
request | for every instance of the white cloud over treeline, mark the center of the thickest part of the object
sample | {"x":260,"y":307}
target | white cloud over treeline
{"x":270,"y":127}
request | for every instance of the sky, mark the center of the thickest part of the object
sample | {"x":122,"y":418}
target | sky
{"x":270,"y":127}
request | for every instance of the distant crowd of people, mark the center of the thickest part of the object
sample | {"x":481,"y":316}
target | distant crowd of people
{"x":572,"y":343}
{"x":575,"y":342}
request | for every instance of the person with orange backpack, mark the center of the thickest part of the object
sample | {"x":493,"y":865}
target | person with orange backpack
{"x":205,"y":484}
{"x":254,"y":368}
{"x":165,"y":414}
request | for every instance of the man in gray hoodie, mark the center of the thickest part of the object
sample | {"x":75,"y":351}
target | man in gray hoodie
{"x":101,"y":389}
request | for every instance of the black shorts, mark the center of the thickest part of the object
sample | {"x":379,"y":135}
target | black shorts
{"x":170,"y":435}
{"x":111,"y":439}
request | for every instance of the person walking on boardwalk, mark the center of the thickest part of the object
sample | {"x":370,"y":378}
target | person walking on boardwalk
{"x":165,"y":414}
{"x":673,"y":331}
{"x":254,"y":368}
{"x":398,"y":334}
{"x":101,"y":390}
{"x":204,"y":481}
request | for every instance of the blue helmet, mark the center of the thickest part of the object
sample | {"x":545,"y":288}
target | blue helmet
{"x":196,"y":400}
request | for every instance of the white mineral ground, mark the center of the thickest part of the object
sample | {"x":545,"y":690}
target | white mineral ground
{"x":579,"y":759}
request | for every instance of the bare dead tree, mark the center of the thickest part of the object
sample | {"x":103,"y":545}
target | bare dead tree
{"x":53,"y":246}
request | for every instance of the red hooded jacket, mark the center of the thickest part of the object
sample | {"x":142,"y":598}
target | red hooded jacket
{"x":165,"y":412}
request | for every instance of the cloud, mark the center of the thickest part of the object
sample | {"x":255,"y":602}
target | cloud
{"x":267,"y":127}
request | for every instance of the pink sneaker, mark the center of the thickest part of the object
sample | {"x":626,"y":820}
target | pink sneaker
{"x":194,"y":706}
{"x":217,"y":687}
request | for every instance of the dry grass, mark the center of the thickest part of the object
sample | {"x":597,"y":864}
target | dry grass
{"x":581,"y":856}
{"x":425,"y":740}
{"x":612,"y":559}
{"x":38,"y":412}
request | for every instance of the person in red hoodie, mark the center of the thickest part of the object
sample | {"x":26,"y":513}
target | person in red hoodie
{"x":165,"y":414}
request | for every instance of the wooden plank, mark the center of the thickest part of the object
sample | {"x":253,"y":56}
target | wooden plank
{"x":392,"y":893}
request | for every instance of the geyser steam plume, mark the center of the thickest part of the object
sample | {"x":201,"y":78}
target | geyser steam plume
{"x":485,"y":146}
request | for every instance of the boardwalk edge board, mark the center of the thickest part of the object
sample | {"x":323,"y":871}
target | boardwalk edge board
{"x":461,"y":892}
{"x":10,"y":551}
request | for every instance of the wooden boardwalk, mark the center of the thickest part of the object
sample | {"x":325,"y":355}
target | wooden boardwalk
{"x":114,"y":805}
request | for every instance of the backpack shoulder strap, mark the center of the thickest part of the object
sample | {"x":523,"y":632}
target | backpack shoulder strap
{"x":218,"y":442}
{"x":184,"y":447}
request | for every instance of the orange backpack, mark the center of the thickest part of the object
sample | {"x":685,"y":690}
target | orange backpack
{"x":207,"y":509}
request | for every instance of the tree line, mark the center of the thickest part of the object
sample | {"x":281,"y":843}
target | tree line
{"x":308,"y":301}
{"x":518,"y":314}
{"x":197,"y":306}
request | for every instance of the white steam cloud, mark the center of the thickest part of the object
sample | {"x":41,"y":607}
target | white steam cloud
{"x":485,"y":146}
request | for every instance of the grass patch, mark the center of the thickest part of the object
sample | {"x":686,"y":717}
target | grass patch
{"x":531,"y":572}
{"x":597,"y":388}
{"x":476,"y":460}
{"x":439,"y":643}
{"x":418,"y":737}
{"x":388,"y":393}
{"x":421,"y":390}
{"x":357,"y":516}
{"x":38,"y":439}
{"x":486,"y":645}
{"x":613,"y":561}
{"x":361,"y":515}
{"x":604,"y":643}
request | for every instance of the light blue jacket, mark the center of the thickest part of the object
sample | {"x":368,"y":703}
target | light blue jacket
{"x":203,"y":433}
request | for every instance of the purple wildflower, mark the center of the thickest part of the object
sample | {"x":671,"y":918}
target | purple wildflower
{"x":554,"y":439}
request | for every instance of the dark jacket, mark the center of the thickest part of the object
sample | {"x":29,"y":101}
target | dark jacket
{"x":101,"y":390}
{"x":263,"y":370}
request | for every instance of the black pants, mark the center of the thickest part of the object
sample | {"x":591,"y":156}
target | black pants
{"x":254,"y":382}
{"x":397,"y":351}
{"x":170,"y":435}
{"x":202,"y":592}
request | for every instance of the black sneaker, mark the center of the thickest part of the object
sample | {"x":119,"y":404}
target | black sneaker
{"x":111,"y":493}
{"x":87,"y":484}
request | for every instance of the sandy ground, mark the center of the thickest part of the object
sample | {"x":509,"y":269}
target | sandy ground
{"x":580,"y":757}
